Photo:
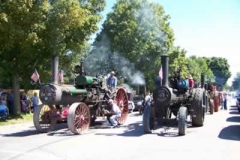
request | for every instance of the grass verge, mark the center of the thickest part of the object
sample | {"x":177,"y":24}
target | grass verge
{"x":15,"y":119}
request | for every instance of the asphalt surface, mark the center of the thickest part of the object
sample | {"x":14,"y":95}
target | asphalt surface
{"x":217,"y":139}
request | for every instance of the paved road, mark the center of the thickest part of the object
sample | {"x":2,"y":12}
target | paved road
{"x":218,"y":139}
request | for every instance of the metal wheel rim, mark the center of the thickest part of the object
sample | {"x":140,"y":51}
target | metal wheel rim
{"x":121,"y":99}
{"x":45,"y":113}
{"x":82,"y":118}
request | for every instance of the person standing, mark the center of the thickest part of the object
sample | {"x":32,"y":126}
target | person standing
{"x":112,"y":81}
{"x":10,"y":101}
{"x":23,"y":102}
{"x":225,"y":101}
{"x":158,"y":81}
{"x":35,"y":101}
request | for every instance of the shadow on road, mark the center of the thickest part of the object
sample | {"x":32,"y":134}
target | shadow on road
{"x":132,"y":130}
{"x":233,"y":109}
{"x":233,"y":119}
{"x":234,"y":112}
{"x":231,"y":132}
{"x":32,"y":132}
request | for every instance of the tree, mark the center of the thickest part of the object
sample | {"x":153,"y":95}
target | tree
{"x":32,"y":30}
{"x":236,"y":82}
{"x":139,"y":31}
{"x":198,"y":66}
{"x":177,"y":58}
{"x":220,"y":69}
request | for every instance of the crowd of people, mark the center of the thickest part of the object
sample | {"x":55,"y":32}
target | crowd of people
{"x":27,"y":103}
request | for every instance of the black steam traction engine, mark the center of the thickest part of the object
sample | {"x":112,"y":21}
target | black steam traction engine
{"x":178,"y":100}
{"x":78,"y":104}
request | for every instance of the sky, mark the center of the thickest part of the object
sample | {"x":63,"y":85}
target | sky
{"x":203,"y":27}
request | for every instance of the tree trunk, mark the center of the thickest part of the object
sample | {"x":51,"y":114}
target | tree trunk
{"x":16,"y":97}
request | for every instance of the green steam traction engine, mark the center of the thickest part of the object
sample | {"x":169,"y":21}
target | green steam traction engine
{"x":175,"y":98}
{"x":78,"y":104}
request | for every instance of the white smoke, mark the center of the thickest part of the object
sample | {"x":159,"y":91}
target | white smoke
{"x":102,"y":61}
{"x":128,"y":88}
{"x":150,"y":25}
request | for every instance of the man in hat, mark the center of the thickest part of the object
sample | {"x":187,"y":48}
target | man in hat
{"x":191,"y":83}
{"x":114,"y":114}
{"x":112,"y":81}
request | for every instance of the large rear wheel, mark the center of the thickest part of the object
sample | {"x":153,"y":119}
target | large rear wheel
{"x":122,"y":101}
{"x":198,"y":107}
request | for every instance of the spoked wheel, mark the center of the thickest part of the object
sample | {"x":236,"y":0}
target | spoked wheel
{"x":42,"y":118}
{"x":122,"y":101}
{"x":78,"y":118}
{"x":182,"y":120}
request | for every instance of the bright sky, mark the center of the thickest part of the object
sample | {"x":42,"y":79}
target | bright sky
{"x":204,"y":27}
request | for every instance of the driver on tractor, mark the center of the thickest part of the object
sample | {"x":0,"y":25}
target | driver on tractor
{"x":112,"y":81}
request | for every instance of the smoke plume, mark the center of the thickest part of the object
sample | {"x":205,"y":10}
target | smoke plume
{"x":102,"y":61}
{"x":150,"y":25}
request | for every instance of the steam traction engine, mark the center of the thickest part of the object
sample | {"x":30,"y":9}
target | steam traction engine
{"x":78,"y":104}
{"x":177,"y":99}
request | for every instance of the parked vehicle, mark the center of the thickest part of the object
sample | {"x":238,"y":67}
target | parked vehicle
{"x":238,"y":103}
{"x":131,"y":106}
{"x":138,"y":102}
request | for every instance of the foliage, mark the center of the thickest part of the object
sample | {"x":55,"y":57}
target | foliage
{"x":198,"y":66}
{"x":31,"y":31}
{"x":220,"y":69}
{"x":236,"y":82}
{"x":139,"y":31}
{"x":177,"y":58}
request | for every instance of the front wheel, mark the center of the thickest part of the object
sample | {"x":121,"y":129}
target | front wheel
{"x":78,"y":118}
{"x":182,"y":120}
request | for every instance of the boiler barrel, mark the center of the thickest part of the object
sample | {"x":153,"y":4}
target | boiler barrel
{"x":164,"y":96}
{"x":61,"y":95}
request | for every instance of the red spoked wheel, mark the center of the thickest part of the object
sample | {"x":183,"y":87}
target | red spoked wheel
{"x":122,"y":101}
{"x":78,"y":118}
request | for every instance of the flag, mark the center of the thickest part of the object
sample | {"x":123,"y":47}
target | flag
{"x":60,"y":75}
{"x":160,"y":72}
{"x":35,"y":76}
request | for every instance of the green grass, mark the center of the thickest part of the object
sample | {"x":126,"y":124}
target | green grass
{"x":15,"y":119}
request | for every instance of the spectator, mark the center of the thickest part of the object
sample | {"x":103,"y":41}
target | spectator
{"x":23,"y":102}
{"x":4,"y":112}
{"x":10,"y":101}
{"x":35,"y":101}
{"x":225,"y":101}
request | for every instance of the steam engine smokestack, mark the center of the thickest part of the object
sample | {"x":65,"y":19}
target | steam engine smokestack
{"x":164,"y":60}
{"x":55,"y":62}
{"x":202,"y":80}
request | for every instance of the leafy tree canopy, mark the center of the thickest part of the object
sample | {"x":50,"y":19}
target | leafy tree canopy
{"x":220,"y":69}
{"x":236,"y":82}
{"x":139,"y":31}
{"x":32,"y":30}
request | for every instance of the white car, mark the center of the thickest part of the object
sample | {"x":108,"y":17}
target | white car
{"x":131,"y":106}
